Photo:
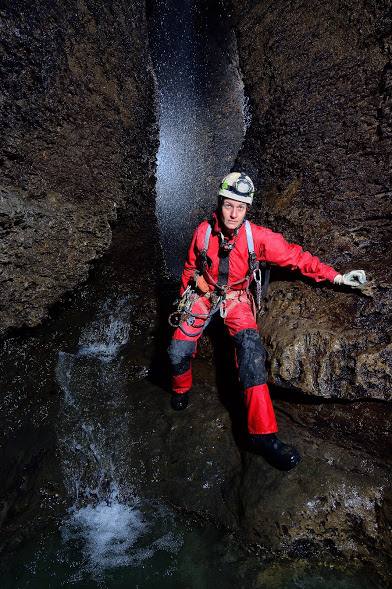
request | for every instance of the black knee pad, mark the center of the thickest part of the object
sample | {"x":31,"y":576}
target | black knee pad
{"x":251,"y":357}
{"x":180,"y":353}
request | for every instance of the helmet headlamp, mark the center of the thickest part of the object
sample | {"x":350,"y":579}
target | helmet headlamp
{"x":243,"y":186}
{"x":237,"y":186}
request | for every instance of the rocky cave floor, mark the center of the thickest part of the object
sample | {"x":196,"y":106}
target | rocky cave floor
{"x":333,"y":509}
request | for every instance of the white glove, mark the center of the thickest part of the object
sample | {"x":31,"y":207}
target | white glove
{"x":355,"y":279}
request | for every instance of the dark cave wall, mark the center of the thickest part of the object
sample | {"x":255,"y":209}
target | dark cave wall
{"x":78,"y":139}
{"x":78,"y":142}
{"x":319,"y":79}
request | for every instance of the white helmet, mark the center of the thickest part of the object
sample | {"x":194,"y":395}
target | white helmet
{"x":237,"y":186}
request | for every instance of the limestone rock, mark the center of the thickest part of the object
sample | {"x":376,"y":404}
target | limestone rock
{"x":77,"y":143}
{"x":318,"y":78}
{"x":335,"y":504}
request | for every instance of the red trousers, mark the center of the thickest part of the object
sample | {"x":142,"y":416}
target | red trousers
{"x":250,"y":354}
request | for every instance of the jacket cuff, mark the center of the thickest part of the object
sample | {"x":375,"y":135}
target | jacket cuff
{"x":332,"y":274}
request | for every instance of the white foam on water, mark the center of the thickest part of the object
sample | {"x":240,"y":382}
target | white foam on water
{"x":108,"y":533}
{"x":114,"y":534}
{"x":108,"y":333}
{"x":106,"y":527}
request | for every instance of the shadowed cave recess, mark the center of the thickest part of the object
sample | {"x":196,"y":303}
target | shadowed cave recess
{"x":118,"y":122}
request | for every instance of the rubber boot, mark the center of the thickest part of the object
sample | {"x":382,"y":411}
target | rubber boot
{"x":179,"y":402}
{"x":280,"y":455}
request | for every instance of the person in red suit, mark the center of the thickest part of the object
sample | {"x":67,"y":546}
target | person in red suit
{"x":222,"y":261}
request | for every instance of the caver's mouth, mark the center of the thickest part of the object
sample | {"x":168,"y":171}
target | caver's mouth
{"x":232,"y":224}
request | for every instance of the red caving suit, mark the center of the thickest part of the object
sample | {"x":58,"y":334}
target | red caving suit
{"x":228,"y":269}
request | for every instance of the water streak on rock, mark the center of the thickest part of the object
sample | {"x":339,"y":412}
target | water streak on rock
{"x":201,"y":114}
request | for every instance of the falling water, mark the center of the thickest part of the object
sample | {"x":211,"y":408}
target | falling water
{"x":107,"y":518}
{"x":109,"y":527}
{"x":202,"y":114}
{"x":110,"y":536}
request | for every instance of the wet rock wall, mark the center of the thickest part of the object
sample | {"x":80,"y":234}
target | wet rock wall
{"x":78,"y":139}
{"x":77,"y":147}
{"x":318,"y":76}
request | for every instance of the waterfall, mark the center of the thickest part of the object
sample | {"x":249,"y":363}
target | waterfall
{"x":203,"y":115}
{"x":107,"y":519}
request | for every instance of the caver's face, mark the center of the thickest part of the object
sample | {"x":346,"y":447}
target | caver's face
{"x":232,"y":213}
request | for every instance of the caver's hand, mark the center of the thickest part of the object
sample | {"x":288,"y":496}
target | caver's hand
{"x":354,"y":278}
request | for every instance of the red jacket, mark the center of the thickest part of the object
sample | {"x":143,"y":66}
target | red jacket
{"x":269,"y":247}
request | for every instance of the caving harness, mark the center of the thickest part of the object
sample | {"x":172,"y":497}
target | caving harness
{"x":223,"y":297}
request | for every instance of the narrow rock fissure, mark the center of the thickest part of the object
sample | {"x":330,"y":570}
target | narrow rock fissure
{"x":202,"y":114}
{"x":102,"y":509}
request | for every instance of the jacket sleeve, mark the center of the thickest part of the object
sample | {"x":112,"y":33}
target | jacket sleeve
{"x":190,"y":264}
{"x":276,"y":250}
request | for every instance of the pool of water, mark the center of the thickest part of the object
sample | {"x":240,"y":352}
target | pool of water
{"x":140,"y":545}
{"x":147,"y":546}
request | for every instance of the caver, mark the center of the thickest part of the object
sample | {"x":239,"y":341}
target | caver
{"x":226,"y":254}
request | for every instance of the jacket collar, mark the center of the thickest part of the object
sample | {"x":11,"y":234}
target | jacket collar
{"x":216,"y":222}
